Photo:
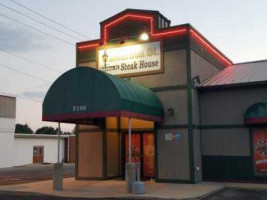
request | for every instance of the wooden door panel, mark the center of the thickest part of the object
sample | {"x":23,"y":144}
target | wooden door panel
{"x":38,"y":154}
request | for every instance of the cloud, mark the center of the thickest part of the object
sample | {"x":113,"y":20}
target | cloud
{"x":15,"y":38}
{"x":34,"y":94}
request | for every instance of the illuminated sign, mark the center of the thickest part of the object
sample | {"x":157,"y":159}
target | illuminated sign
{"x":131,"y":60}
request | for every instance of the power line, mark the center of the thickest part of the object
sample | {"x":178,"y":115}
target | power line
{"x":31,"y":61}
{"x":36,"y":29}
{"x":19,"y":96}
{"x":31,"y":99}
{"x":38,"y":21}
{"x":51,"y":20}
{"x":30,"y":75}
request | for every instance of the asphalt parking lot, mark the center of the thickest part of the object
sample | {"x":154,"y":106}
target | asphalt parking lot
{"x":32,"y":173}
{"x":238,"y":194}
{"x":28,"y":196}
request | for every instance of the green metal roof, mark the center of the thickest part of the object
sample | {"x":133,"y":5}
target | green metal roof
{"x":84,"y":92}
{"x":256,"y":114}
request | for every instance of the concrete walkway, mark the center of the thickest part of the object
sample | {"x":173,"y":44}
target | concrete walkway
{"x":116,"y":188}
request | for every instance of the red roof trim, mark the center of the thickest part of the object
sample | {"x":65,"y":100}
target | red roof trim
{"x":211,"y":49}
{"x":154,"y":33}
{"x":89,"y":45}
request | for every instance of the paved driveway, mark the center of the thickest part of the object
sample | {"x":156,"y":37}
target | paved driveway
{"x":238,"y":194}
{"x":32,"y":173}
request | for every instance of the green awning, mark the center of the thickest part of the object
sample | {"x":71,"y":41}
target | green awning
{"x":84,"y":92}
{"x":256,"y":114}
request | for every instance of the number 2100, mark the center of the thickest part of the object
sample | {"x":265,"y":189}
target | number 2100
{"x":79,"y":108}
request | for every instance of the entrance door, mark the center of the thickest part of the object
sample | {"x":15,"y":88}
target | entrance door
{"x":148,"y":155}
{"x":136,"y":148}
{"x":38,"y":154}
{"x":142,"y":152}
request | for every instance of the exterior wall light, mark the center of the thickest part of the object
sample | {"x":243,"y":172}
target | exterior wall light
{"x":144,"y":36}
{"x":105,"y":58}
{"x":170,"y":111}
{"x":195,"y":81}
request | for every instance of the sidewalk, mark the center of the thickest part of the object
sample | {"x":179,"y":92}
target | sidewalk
{"x":116,"y":188}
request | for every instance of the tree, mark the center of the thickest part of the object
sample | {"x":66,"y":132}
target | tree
{"x":46,"y":130}
{"x":20,"y":128}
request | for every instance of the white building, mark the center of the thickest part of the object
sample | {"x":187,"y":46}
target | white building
{"x":7,"y":129}
{"x":35,"y":148}
{"x":21,"y":149}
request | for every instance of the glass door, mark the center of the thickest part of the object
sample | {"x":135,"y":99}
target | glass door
{"x":148,"y":155}
{"x":136,"y":148}
{"x":142,"y":152}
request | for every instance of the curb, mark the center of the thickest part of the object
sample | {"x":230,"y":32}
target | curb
{"x":36,"y":194}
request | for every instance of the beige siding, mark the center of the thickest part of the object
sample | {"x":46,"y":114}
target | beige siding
{"x":173,"y":156}
{"x":7,"y":107}
{"x":112,"y":154}
{"x":201,"y":67}
{"x":176,"y":99}
{"x":197,"y":155}
{"x":196,"y":137}
{"x":90,"y":155}
{"x":225,"y":142}
{"x":229,"y":106}
{"x":88,"y":64}
{"x":174,"y":72}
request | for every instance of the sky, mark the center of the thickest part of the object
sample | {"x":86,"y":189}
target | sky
{"x":236,"y":27}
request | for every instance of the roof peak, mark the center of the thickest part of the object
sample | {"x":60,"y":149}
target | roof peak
{"x":131,"y":10}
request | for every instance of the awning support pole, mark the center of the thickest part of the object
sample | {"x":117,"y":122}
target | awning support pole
{"x":58,"y":167}
{"x":130,"y":139}
{"x":130,"y":171}
{"x":58,"y":142}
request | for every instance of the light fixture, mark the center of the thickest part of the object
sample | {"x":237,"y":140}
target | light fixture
{"x":195,"y":81}
{"x":170,"y":111}
{"x":105,"y":57}
{"x":144,"y":36}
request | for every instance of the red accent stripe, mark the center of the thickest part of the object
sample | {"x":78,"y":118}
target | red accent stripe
{"x":142,"y":17}
{"x":153,"y":33}
{"x":88,"y":46}
{"x":123,"y":113}
{"x":198,"y":38}
{"x":161,"y":33}
{"x":256,"y":120}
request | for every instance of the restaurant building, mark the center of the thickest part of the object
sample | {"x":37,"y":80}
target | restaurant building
{"x":194,"y":114}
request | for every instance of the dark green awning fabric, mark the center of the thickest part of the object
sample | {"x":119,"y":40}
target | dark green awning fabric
{"x":256,"y":114}
{"x":84,"y":92}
